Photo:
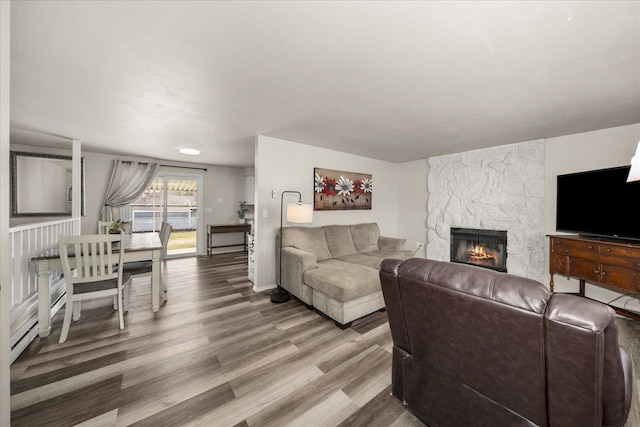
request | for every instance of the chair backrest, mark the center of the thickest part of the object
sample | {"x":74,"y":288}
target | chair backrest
{"x":103,"y":227}
{"x":95,"y":258}
{"x":165,"y":233}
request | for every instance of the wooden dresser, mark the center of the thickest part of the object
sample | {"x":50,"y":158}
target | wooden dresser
{"x":608,"y":263}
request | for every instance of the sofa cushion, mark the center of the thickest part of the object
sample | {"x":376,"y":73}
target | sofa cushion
{"x":363,"y":259}
{"x":373,"y":259}
{"x":343,"y":281}
{"x":339,"y":240}
{"x":365,"y":236}
{"x":390,"y":253}
{"x":308,"y":239}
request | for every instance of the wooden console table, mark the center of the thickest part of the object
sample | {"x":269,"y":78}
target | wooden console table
{"x":607,"y":263}
{"x":223,"y":229}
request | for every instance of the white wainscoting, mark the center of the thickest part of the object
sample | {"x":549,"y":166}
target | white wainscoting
{"x":27,"y":241}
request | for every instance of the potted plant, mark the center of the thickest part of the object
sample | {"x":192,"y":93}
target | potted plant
{"x":242,"y":210}
{"x":118,"y":226}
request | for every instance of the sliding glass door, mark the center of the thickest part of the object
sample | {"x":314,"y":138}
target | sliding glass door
{"x":176,"y":199}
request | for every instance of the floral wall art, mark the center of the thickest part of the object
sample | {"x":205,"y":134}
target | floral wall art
{"x":340,"y":190}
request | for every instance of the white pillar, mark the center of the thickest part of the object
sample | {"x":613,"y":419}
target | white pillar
{"x":5,"y":271}
{"x":76,"y":178}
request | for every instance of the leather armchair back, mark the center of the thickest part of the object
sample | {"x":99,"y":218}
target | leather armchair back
{"x":477,"y":347}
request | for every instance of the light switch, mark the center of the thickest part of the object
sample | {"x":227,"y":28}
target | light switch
{"x":265,"y":213}
{"x":219,"y":199}
{"x":208,"y":210}
{"x":274,"y":194}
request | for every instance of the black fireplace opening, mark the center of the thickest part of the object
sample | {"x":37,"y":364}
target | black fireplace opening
{"x":484,"y":248}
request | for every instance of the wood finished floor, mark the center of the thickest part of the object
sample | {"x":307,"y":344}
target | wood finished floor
{"x":217,"y":354}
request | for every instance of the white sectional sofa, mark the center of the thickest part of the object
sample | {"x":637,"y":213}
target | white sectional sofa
{"x":335,"y":268}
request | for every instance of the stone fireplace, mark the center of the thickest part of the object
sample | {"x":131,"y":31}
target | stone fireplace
{"x":498,"y":188}
{"x":483,"y":248}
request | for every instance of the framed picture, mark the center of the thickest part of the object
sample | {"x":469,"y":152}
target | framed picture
{"x":341,"y":190}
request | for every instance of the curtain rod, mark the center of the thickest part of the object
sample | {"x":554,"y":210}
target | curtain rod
{"x":168,"y":166}
{"x":185,"y":167}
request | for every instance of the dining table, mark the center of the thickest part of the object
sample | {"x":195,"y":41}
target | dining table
{"x":137,"y":247}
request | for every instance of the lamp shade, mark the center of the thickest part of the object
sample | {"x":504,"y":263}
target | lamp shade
{"x":298,"y":212}
{"x":634,"y":173}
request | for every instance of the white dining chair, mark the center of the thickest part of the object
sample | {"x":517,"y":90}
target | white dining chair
{"x":104,"y":226}
{"x":144,"y":268}
{"x":97,"y":272}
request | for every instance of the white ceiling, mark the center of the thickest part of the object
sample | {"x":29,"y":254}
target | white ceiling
{"x":397,"y":81}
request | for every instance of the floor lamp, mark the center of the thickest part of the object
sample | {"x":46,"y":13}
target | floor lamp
{"x":298,"y":213}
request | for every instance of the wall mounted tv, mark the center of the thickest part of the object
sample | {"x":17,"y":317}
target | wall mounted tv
{"x":599,"y":203}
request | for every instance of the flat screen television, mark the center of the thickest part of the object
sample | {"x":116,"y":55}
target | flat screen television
{"x":599,"y":203}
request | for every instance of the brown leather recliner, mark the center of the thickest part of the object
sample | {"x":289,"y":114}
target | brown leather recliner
{"x":474,"y":347}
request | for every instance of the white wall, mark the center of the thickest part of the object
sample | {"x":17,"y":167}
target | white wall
{"x":600,"y":149}
{"x":5,"y":275}
{"x":284,"y":165}
{"x":412,"y":204}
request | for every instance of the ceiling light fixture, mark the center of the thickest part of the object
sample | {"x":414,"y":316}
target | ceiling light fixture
{"x":190,"y":151}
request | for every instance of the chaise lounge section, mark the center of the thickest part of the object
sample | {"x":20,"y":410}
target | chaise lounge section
{"x":335,"y":268}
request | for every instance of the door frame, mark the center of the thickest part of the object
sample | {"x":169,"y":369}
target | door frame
{"x":199,"y":206}
{"x":163,"y":174}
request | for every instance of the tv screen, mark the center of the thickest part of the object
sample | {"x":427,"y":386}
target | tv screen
{"x":599,"y":203}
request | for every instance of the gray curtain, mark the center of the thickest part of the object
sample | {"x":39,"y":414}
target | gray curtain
{"x":128,"y":181}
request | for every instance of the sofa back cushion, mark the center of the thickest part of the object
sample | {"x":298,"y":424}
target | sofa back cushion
{"x":308,"y":239}
{"x":365,"y":237}
{"x":339,"y":240}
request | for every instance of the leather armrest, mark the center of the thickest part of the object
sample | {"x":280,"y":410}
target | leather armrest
{"x":584,"y":364}
{"x":390,"y":289}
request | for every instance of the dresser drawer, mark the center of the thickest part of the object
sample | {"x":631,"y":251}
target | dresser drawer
{"x":622,"y":251}
{"x":575,"y":244}
{"x":577,"y":251}
{"x":630,"y":263}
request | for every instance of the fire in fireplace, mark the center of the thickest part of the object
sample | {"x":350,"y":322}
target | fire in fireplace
{"x":484,"y":248}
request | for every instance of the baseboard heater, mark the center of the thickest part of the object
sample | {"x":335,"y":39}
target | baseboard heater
{"x":28,"y":330}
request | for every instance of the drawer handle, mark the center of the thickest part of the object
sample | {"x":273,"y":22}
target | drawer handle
{"x":566,"y":251}
{"x":608,"y":249}
{"x":596,"y":272}
{"x":603,"y":273}
{"x":589,"y":247}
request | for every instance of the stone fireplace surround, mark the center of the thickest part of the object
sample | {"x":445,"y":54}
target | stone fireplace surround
{"x":499,"y":188}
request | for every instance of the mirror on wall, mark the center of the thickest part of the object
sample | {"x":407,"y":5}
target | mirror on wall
{"x":41,"y":185}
